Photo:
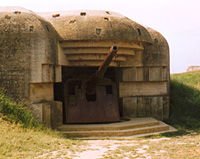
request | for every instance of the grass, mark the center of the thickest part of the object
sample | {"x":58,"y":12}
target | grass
{"x":18,"y":142}
{"x":22,"y":136}
{"x":16,"y":112}
{"x":185,"y":101}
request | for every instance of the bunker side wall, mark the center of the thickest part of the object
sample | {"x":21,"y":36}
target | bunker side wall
{"x":144,"y":89}
{"x":15,"y":65}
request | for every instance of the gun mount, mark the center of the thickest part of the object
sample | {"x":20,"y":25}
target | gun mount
{"x":93,"y":94}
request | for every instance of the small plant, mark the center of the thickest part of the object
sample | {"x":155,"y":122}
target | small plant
{"x":17,"y":112}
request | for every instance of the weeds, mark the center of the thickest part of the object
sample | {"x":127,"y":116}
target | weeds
{"x":17,"y":112}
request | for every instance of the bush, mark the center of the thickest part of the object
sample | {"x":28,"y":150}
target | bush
{"x":17,"y":112}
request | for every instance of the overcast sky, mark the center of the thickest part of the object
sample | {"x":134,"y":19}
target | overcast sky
{"x":177,"y":20}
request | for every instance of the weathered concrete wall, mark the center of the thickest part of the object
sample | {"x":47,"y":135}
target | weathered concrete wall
{"x":145,"y":88}
{"x":88,"y":35}
{"x":15,"y":43}
{"x":25,"y":47}
{"x":28,"y":49}
{"x":97,"y":26}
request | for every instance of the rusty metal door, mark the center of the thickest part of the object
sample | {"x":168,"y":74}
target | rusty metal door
{"x":96,"y":108}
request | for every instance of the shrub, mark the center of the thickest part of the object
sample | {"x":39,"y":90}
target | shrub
{"x":17,"y":112}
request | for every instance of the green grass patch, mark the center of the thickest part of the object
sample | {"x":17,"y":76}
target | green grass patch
{"x":185,"y":101}
{"x":17,"y":112}
{"x":22,"y":136}
{"x":17,"y":142}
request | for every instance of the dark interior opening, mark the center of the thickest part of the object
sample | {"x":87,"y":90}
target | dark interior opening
{"x":106,"y":19}
{"x":83,"y":13}
{"x":74,"y":76}
{"x":109,"y":89}
{"x":71,"y":89}
{"x":91,"y":97}
{"x":58,"y":92}
{"x":107,"y":12}
{"x":73,"y":86}
{"x":139,"y":32}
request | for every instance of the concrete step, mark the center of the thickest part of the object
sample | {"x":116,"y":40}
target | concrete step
{"x":110,"y":133}
{"x":133,"y":127}
{"x":124,"y":124}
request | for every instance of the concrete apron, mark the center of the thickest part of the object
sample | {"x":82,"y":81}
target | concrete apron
{"x":134,"y":127}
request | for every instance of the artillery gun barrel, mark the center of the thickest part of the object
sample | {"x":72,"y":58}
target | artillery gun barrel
{"x":103,"y":67}
{"x":91,"y":83}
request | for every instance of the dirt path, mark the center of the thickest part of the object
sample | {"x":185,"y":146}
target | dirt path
{"x":123,"y":149}
{"x":187,"y":146}
{"x":97,"y":148}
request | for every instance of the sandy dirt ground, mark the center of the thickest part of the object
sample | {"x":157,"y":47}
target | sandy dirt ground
{"x":187,"y":146}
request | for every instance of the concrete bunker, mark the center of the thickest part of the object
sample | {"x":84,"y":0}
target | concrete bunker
{"x":51,"y":59}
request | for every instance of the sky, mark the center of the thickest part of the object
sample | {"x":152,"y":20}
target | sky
{"x":177,"y":20}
